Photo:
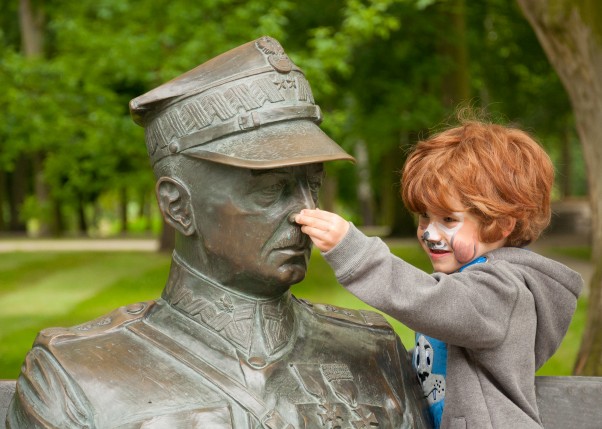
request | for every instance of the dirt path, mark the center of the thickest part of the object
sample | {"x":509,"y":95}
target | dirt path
{"x":105,"y":245}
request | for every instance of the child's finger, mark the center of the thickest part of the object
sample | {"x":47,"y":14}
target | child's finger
{"x":317,"y":237}
{"x":317,"y":214}
{"x":313,"y":232}
{"x":314,"y":222}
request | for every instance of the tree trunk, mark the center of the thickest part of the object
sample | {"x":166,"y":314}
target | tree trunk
{"x":82,"y":222}
{"x":398,"y":217}
{"x":42,"y":193}
{"x":57,"y":226}
{"x":123,"y":209}
{"x":571,"y":35}
{"x":364,"y":188}
{"x":388,"y":183}
{"x":19,"y":180}
{"x":456,"y":84}
{"x":566,"y":166}
{"x":328,"y":193}
{"x":31,"y":23}
{"x":144,"y":210}
{"x":3,"y":201}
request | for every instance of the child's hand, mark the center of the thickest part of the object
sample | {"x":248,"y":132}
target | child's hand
{"x":325,"y":229}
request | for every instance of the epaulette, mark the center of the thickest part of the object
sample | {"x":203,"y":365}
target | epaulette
{"x":357,"y":317}
{"x":109,"y":322}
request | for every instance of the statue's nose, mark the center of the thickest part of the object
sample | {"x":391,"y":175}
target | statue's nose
{"x":303,"y":199}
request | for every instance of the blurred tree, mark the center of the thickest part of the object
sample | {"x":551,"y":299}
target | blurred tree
{"x":385,"y":72}
{"x":15,"y":178}
{"x":454,"y":47}
{"x":571,"y":34}
{"x":370,"y":70}
{"x":71,"y":102}
{"x":526,"y":90}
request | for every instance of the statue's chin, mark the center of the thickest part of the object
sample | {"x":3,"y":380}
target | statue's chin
{"x":266,"y":285}
{"x":287,"y":276}
{"x":291,"y":274}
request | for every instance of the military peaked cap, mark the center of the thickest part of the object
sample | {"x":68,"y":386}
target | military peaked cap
{"x":250,"y":107}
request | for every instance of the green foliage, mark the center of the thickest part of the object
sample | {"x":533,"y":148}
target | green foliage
{"x":377,"y":69}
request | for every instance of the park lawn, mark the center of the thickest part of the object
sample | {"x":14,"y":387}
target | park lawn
{"x":44,"y":289}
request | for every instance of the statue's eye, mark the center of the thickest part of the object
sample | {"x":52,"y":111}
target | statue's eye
{"x":272,"y":191}
{"x":314,"y":185}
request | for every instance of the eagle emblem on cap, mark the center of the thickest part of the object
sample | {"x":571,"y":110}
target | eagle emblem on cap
{"x":275,"y":53}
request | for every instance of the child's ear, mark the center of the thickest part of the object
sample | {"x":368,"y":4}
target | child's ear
{"x":507,"y":226}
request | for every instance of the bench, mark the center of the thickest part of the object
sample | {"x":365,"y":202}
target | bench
{"x":564,"y":402}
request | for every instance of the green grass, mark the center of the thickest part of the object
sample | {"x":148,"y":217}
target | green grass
{"x":44,"y":289}
{"x":578,"y":252}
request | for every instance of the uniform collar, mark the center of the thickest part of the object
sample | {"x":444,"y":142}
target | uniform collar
{"x":261,"y":328}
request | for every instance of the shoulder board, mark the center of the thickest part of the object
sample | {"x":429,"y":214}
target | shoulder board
{"x":357,"y":317}
{"x":108,"y":322}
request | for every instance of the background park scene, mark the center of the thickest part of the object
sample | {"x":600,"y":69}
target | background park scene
{"x":385,"y":73}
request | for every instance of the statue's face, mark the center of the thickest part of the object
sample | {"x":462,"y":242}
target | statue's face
{"x":243,"y":226}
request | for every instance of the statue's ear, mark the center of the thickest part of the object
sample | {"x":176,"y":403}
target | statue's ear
{"x":174,"y":202}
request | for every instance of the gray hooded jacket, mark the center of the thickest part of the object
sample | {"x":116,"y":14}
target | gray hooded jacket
{"x":501,"y":320}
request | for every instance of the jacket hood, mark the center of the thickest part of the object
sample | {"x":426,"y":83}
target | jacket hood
{"x":555,"y":288}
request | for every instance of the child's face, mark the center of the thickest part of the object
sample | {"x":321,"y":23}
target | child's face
{"x":452,"y":240}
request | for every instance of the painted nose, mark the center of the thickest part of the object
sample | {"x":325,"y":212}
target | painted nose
{"x":431,"y":234}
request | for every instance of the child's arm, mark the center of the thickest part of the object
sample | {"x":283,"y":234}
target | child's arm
{"x":454,"y":310}
{"x":325,"y":229}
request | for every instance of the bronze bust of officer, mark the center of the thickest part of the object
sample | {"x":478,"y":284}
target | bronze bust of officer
{"x":236,"y":150}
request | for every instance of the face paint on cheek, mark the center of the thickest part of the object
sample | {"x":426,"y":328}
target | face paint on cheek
{"x":465,"y":250}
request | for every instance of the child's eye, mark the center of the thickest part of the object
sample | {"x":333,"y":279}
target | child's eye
{"x":449,"y":219}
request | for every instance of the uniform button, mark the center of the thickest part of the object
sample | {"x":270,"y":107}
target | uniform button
{"x":135,"y":308}
{"x":256,"y":362}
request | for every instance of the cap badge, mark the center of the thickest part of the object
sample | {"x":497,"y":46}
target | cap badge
{"x":275,"y":54}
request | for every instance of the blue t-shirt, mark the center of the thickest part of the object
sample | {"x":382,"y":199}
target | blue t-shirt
{"x":430,"y":364}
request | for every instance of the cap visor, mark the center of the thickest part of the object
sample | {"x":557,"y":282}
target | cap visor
{"x":275,"y":145}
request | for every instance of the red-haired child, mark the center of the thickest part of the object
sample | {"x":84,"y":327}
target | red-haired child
{"x":492,"y":312}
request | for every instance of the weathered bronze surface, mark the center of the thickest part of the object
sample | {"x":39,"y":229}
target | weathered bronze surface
{"x":236,"y":149}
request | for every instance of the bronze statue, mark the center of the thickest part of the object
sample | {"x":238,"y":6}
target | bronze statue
{"x":236,"y":150}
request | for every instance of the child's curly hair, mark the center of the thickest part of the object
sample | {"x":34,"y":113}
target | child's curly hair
{"x":499,"y":174}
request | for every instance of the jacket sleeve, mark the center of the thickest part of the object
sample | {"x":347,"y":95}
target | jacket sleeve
{"x":470,"y":309}
{"x":46,"y":397}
